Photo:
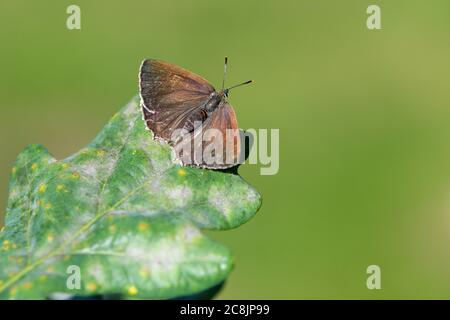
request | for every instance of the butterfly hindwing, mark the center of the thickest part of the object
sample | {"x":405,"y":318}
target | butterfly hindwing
{"x":216,"y":144}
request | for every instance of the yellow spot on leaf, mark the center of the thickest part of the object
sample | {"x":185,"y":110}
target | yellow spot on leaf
{"x":91,"y":286}
{"x":132,"y":291}
{"x":42,"y":278}
{"x":143,"y":226}
{"x":112,"y":228}
{"x":65,"y":165}
{"x":75,"y":175}
{"x":13,"y":170}
{"x":13,"y":291}
{"x":6,"y":244}
{"x":19,"y":260}
{"x":14,"y":246}
{"x":144,"y":272}
{"x":50,"y":238}
{"x":48,"y":206}
{"x":34,"y":166}
{"x":181,"y":172}
{"x":59,"y":187}
{"x":42,"y":188}
{"x":101,"y":153}
{"x":27,"y":285}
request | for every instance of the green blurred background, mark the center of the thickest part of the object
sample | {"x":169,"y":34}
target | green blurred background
{"x":364,"y":119}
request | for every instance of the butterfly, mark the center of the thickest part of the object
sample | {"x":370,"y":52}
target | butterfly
{"x":184,"y":110}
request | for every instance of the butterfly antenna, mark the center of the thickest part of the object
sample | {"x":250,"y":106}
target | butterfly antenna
{"x":238,"y":85}
{"x":224,"y":73}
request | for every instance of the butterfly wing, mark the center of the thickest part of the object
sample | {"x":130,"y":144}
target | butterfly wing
{"x":216,"y":145}
{"x":169,"y":94}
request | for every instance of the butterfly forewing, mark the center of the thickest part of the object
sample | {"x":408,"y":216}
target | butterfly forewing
{"x":169,"y":94}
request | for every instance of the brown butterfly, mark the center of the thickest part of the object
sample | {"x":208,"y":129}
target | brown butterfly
{"x":186,"y":111}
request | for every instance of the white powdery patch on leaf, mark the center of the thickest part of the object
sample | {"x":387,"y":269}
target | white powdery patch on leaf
{"x":131,"y":109}
{"x":108,"y":165}
{"x":83,"y":194}
{"x":163,"y":259}
{"x":80,"y":219}
{"x":219,"y":201}
{"x":179,"y":195}
{"x":90,"y":168}
{"x":97,"y":272}
{"x":188,"y":234}
{"x":252,"y":195}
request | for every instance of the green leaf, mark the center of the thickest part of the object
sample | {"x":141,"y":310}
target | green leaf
{"x":124,"y":212}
